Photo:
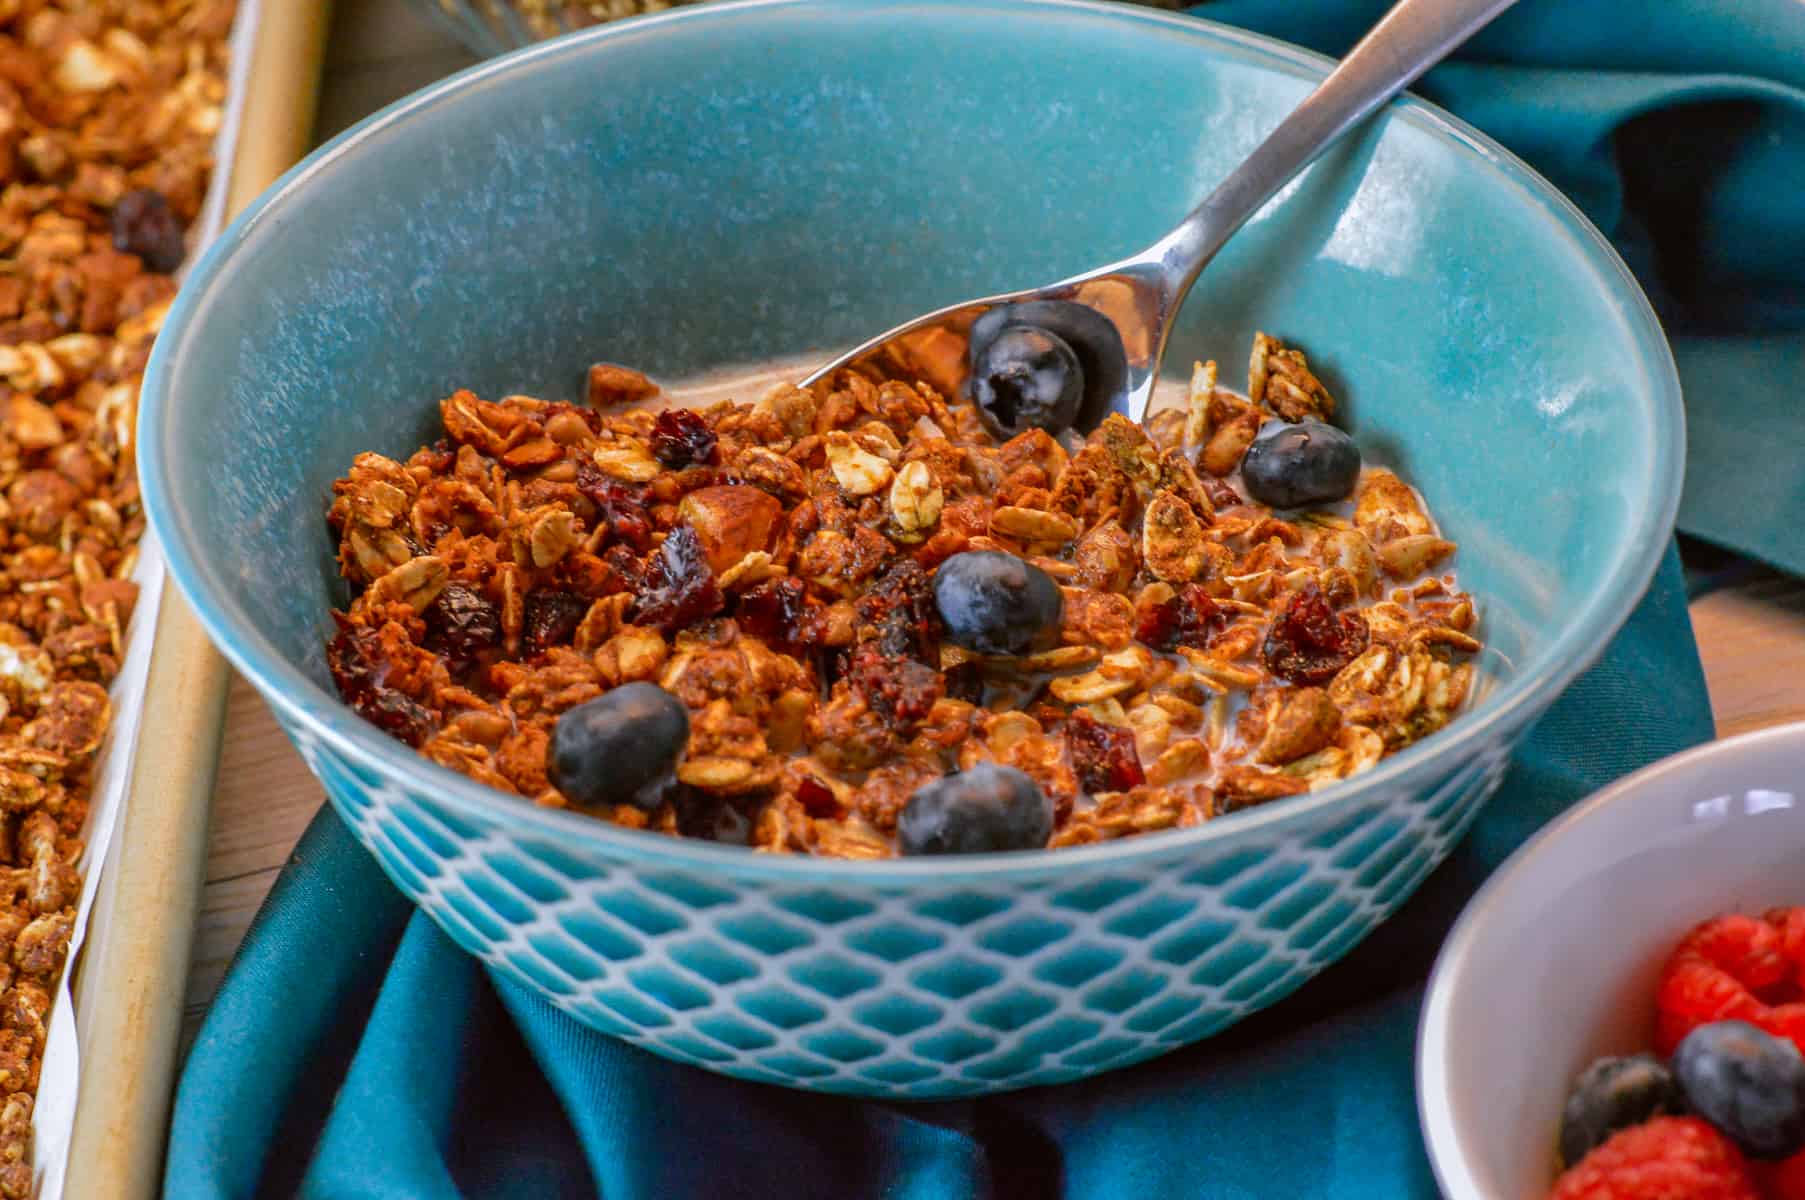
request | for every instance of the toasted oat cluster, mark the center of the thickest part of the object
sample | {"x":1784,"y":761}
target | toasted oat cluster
{"x":107,"y":114}
{"x":772,"y":565}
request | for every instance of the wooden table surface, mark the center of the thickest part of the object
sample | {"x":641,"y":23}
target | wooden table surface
{"x":1751,"y":637}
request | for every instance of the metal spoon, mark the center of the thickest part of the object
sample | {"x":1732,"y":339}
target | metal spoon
{"x":1116,"y":318}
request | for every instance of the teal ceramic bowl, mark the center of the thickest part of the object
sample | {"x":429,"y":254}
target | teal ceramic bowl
{"x":731,"y":183}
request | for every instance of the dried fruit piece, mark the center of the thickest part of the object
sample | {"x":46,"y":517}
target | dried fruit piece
{"x":552,"y":618}
{"x":1309,"y":642}
{"x":901,"y":691}
{"x":1167,"y":618}
{"x":682,"y":437}
{"x":1103,"y":756}
{"x":359,"y":665}
{"x":677,"y":587}
{"x":773,"y":611}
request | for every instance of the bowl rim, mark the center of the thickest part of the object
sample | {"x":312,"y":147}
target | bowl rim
{"x":307,"y":705}
{"x":1441,"y":1135}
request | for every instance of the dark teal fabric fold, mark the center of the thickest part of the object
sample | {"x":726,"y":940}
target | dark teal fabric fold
{"x":353,"y":1051}
{"x":451,"y":1084}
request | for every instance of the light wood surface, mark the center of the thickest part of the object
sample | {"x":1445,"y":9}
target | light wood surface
{"x":1752,"y":638}
{"x":141,"y":953}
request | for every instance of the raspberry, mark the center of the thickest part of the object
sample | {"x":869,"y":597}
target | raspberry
{"x":1787,"y":1021}
{"x":1784,"y":1180}
{"x":1791,"y":924}
{"x":1669,"y":1158}
{"x":1694,"y":993}
{"x":1749,"y":948}
{"x":1715,"y":973}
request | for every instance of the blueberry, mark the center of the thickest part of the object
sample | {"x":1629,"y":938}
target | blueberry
{"x":994,"y":602}
{"x":1294,"y":466}
{"x":620,"y":748}
{"x":1027,"y":378}
{"x":1748,"y":1083}
{"x":1614,"y":1094}
{"x":974,"y":812}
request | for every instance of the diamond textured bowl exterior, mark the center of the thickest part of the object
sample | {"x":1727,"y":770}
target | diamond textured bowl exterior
{"x":733,"y":183}
{"x":911,"y":992}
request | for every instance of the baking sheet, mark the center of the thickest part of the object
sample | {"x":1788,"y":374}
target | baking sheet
{"x":60,"y":1079}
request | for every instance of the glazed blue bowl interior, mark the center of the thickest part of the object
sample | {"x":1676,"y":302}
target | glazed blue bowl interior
{"x":736,"y":183}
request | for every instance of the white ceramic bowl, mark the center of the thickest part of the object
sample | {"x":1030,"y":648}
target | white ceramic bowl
{"x":1555,"y":961}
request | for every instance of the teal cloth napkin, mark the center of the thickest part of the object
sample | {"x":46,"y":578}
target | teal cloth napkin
{"x":353,"y":1051}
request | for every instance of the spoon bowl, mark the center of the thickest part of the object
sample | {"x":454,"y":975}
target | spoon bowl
{"x":1117,"y":318}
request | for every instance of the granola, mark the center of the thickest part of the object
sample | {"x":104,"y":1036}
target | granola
{"x":771,"y":564}
{"x":108,"y":110}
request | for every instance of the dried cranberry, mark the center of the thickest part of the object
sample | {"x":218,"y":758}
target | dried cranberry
{"x":621,"y":507}
{"x":898,"y":612}
{"x":1222,"y":494}
{"x":965,"y":682}
{"x":900,"y":691}
{"x":817,"y":799}
{"x":145,"y":225}
{"x":1188,"y":618}
{"x":1103,"y":756}
{"x":1309,"y":643}
{"x":681,"y":437}
{"x":462,"y":623}
{"x":551,"y":619}
{"x":354,"y":656}
{"x":676,"y":587}
{"x":773,"y":612}
{"x":698,"y":813}
{"x":622,"y":561}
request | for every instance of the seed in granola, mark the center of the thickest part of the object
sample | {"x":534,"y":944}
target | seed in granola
{"x":620,"y":748}
{"x":995,"y":603}
{"x":145,"y":225}
{"x":1309,"y":643}
{"x":682,"y":437}
{"x":1103,"y":756}
{"x":462,"y":623}
{"x":676,"y":587}
{"x":1027,"y":378}
{"x":1188,"y":617}
{"x":1298,"y":466}
{"x":988,"y":808}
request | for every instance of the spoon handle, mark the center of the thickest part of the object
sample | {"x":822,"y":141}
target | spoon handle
{"x":1412,"y":37}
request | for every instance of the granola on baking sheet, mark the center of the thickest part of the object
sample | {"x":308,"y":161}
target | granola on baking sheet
{"x":772,"y":565}
{"x":108,"y":111}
